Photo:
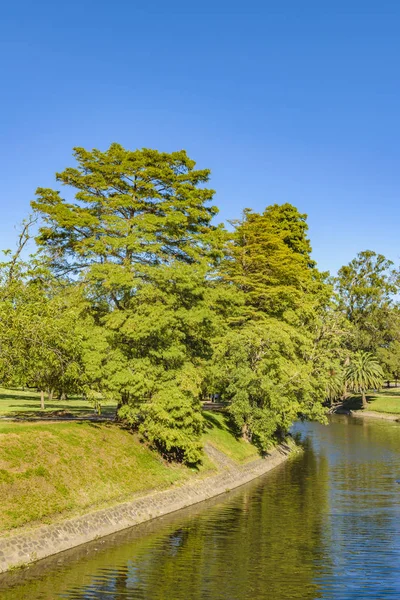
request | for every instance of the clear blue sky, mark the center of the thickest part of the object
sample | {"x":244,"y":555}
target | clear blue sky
{"x":285,"y":101}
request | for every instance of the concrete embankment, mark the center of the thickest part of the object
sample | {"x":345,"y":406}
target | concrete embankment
{"x":27,"y":547}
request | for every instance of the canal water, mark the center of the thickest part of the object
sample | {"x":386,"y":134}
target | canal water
{"x":324,"y":525}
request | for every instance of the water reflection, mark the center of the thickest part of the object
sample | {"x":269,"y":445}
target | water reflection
{"x":324,"y":525}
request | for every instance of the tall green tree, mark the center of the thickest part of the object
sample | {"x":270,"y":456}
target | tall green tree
{"x":292,"y":226}
{"x":367,"y":289}
{"x":139,"y":235}
{"x":274,"y":358}
{"x":132,"y":210}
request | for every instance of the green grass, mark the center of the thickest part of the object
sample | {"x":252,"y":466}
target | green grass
{"x":48,"y":470}
{"x":384,"y":401}
{"x":20,"y":403}
{"x":384,"y":404}
{"x":220,"y":435}
{"x":53,"y":470}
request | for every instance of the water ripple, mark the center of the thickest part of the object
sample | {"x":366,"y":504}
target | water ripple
{"x":323,"y":526}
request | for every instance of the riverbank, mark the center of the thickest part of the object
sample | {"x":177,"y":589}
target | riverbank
{"x":62,"y":484}
{"x":56,"y":470}
{"x":366,"y":414}
{"x":370,"y":414}
{"x":20,"y":549}
{"x":384,"y":404}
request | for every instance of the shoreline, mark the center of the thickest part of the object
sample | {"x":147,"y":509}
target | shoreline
{"x":370,"y":414}
{"x":22,"y":549}
{"x":365,"y":414}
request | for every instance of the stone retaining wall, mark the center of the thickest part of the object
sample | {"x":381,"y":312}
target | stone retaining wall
{"x":24,"y":548}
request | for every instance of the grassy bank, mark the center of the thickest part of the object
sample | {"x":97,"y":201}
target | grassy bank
{"x":54,"y":470}
{"x":220,"y":435}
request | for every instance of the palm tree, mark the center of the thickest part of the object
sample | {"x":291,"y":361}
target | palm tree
{"x":363,"y":372}
{"x":335,"y":385}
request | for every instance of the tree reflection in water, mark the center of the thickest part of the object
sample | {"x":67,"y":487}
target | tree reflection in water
{"x":323,"y":525}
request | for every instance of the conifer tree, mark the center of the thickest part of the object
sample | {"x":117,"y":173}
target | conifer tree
{"x":273,"y":360}
{"x":139,"y":235}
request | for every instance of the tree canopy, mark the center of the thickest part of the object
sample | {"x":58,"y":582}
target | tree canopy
{"x":272,"y":358}
{"x":367,"y":289}
{"x":139,"y":235}
{"x":134,"y":293}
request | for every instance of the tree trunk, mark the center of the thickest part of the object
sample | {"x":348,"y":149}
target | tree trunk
{"x":42,"y":399}
{"x":245,"y":432}
{"x":63,"y":396}
{"x":364,"y":400}
{"x":123,"y":399}
{"x":50,"y":395}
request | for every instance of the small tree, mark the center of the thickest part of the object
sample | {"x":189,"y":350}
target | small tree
{"x":363,"y":372}
{"x":40,"y":327}
{"x":389,"y":357}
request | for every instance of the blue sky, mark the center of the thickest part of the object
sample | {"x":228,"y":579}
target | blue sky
{"x":284,"y":101}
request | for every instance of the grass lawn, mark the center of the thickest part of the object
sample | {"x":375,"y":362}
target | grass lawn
{"x":15,"y":402}
{"x":219,"y":435}
{"x":384,"y":401}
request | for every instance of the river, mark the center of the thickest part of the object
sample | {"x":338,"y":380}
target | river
{"x":325,"y":524}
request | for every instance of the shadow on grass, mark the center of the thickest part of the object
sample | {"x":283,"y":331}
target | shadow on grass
{"x":13,"y":398}
{"x":355,"y":402}
{"x":57,"y":410}
{"x":213,"y":421}
{"x":352,"y":403}
{"x":227,"y":425}
{"x":54,"y":406}
{"x":59,"y":416}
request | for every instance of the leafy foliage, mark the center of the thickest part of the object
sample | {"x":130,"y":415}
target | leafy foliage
{"x":335,"y":384}
{"x":367,"y":287}
{"x":40,"y":329}
{"x":131,"y":210}
{"x":273,"y":359}
{"x":389,"y":358}
{"x":139,"y":235}
{"x":136,"y":296}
